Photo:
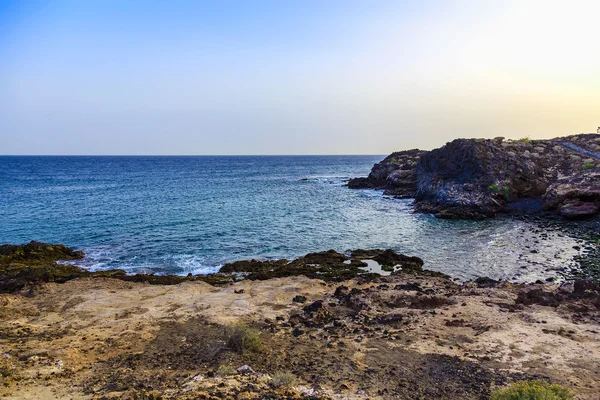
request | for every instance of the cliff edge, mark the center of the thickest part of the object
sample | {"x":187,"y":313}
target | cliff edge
{"x":478,"y":178}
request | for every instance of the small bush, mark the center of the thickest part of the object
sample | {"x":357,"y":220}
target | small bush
{"x":283,"y":379}
{"x":494,"y":187}
{"x":524,"y":140}
{"x":241,"y":338}
{"x":588,"y":165}
{"x":532,"y":390}
{"x":226,"y":370}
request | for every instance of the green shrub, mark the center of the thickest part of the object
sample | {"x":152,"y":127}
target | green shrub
{"x":283,"y":379}
{"x":588,"y":165}
{"x":494,"y":187}
{"x":532,"y":390}
{"x":241,"y":338}
{"x":226,"y":370}
{"x":524,"y":140}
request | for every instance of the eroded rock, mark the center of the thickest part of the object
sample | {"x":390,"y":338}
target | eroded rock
{"x":478,"y":178}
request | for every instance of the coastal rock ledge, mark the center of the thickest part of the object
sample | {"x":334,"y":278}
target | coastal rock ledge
{"x":478,"y":178}
{"x":297,"y":330}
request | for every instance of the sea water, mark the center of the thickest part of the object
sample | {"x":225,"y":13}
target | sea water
{"x":192,"y":214}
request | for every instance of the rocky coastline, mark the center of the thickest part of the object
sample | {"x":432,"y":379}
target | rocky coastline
{"x":323,"y":326}
{"x":481,"y":178}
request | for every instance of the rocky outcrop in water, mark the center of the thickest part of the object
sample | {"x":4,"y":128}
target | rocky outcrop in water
{"x":478,"y":178}
{"x":330,"y":266}
{"x":27,"y":265}
{"x":396,"y":175}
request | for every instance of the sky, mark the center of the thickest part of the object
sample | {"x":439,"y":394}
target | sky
{"x":292,"y":77}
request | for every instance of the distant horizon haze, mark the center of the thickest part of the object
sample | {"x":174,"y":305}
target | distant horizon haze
{"x":383,"y":155}
{"x":300,"y":77}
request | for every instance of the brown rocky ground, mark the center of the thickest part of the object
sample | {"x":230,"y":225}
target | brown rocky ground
{"x":404,"y":336}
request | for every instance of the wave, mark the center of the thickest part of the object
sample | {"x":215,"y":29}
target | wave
{"x":105,"y":258}
{"x":194,"y":264}
{"x":332,"y":180}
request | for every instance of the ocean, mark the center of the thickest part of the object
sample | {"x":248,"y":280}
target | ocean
{"x":185,"y":214}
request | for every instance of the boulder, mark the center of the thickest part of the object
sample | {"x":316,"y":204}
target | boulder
{"x":576,"y":196}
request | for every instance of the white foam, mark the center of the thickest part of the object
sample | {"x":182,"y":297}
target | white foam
{"x":194,"y":264}
{"x":334,"y":180}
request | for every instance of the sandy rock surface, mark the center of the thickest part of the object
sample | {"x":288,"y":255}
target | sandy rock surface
{"x":402,"y":336}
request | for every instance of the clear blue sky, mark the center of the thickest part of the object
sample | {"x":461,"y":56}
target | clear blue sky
{"x":291,"y":77}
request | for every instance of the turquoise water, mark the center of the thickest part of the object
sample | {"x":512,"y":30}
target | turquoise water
{"x":192,"y":214}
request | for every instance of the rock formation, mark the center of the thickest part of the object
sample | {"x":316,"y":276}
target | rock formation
{"x":477,"y":178}
{"x":396,"y":175}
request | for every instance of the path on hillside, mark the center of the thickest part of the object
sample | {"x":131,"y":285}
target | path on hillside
{"x":580,"y":150}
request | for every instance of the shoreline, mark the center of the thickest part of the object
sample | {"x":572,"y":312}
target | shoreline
{"x":585,"y":233}
{"x":61,"y":266}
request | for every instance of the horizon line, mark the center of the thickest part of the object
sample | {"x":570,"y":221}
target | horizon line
{"x":187,"y":155}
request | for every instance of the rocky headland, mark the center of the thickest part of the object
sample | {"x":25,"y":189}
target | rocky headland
{"x":479,"y":178}
{"x":366,"y":324}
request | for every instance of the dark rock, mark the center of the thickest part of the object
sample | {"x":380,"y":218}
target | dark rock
{"x":396,"y":174}
{"x":364,"y":183}
{"x":35,"y":262}
{"x":341,"y":291}
{"x":409,"y":286}
{"x":317,"y":305}
{"x":389,"y":319}
{"x":36,"y":253}
{"x":469,"y":178}
{"x":299,"y":299}
{"x":581,"y":285}
{"x":389,"y":258}
{"x":326,"y":265}
{"x":576,"y":209}
{"x":538,"y":296}
{"x":421,"y":301}
{"x":478,"y":178}
{"x":456,"y":323}
{"x":297,"y":332}
{"x":485,"y":282}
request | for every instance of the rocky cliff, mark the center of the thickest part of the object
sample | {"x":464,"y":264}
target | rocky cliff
{"x":477,"y":178}
{"x":396,"y":175}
